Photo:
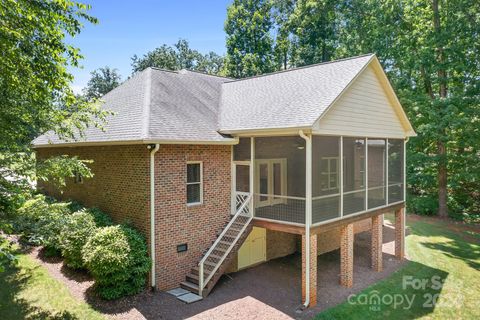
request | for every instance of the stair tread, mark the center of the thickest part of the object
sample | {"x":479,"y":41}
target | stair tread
{"x":189,"y":284}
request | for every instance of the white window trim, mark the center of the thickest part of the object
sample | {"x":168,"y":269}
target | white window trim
{"x":272,"y":198}
{"x":192,"y":183}
{"x":329,"y":173}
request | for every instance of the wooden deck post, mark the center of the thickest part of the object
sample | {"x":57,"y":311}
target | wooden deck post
{"x":377,"y":241}
{"x":400,"y":233}
{"x":313,"y":270}
{"x":346,"y":255}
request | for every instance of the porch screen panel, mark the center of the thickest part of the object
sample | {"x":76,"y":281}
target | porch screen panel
{"x":325,"y":178}
{"x":241,"y":151}
{"x":354,"y":175}
{"x":395,"y":170}
{"x":279,"y":187}
{"x":376,"y":173}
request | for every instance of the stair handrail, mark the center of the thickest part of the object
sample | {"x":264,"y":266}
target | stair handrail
{"x":201,"y":281}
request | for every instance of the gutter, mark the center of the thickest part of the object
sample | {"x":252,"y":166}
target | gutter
{"x":153,"y":149}
{"x":308,"y":212}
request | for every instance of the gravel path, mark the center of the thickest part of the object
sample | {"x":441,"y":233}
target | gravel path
{"x":269,"y":291}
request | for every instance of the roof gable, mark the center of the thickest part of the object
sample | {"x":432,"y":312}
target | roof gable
{"x":368,"y":106}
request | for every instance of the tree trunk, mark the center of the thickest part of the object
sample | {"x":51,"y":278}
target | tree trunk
{"x":442,"y":180}
{"x":441,"y":147}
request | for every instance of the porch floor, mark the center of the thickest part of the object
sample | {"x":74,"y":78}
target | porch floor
{"x":273,"y":290}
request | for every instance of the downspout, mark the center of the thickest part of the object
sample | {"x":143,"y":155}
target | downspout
{"x":153,"y":149}
{"x":308,"y":212}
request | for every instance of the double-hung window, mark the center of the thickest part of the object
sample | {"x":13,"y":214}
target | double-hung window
{"x":194,"y":183}
{"x":329,"y":172}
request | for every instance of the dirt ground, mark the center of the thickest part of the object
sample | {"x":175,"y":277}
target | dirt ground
{"x":269,"y":291}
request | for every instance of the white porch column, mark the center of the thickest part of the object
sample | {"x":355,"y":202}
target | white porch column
{"x":309,"y":276}
{"x":252,"y":175}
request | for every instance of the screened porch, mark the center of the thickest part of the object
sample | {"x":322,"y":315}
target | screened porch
{"x":285,"y":179}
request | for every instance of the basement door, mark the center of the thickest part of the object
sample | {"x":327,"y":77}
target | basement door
{"x":253,"y":250}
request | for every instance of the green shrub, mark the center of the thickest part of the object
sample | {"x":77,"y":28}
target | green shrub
{"x":422,"y":204}
{"x":101,"y":218}
{"x":117,"y":258}
{"x":75,"y":206}
{"x":40,"y":221}
{"x":28,"y":216}
{"x":78,"y":228}
{"x":50,"y":226}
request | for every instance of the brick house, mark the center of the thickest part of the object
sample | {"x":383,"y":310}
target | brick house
{"x":222,"y":174}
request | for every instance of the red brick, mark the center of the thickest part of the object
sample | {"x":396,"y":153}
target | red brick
{"x":376,"y":244}
{"x":346,"y":255}
{"x":313,"y":269}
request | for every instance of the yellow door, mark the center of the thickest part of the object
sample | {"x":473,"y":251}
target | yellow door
{"x":253,"y":250}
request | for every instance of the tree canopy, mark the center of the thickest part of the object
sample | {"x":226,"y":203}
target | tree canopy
{"x":249,"y":41}
{"x":102,"y":81}
{"x":178,"y":57}
{"x":35,"y":92}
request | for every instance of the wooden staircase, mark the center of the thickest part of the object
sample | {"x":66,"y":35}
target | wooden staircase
{"x":223,"y":250}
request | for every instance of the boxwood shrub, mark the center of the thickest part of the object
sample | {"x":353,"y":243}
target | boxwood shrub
{"x":117,"y":258}
{"x":78,"y":228}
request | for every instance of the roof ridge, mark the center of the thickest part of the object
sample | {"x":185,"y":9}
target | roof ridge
{"x":147,"y":104}
{"x":207,"y":74}
{"x":302,"y":67}
{"x":161,"y":69}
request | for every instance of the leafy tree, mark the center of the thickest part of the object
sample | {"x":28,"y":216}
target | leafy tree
{"x":284,"y":41}
{"x":180,"y":56}
{"x":35,"y":92}
{"x":314,"y":25}
{"x":102,"y":81}
{"x":430,"y":49}
{"x":249,"y":42}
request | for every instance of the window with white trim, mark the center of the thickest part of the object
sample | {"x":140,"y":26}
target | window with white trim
{"x":194,"y":182}
{"x":329,"y":173}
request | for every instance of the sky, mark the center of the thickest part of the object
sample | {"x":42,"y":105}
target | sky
{"x":133,"y":27}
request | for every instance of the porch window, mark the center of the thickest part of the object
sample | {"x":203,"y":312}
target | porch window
{"x":395,"y":170}
{"x":194,"y":182}
{"x":353,"y":175}
{"x":376,"y":173}
{"x":325,"y":178}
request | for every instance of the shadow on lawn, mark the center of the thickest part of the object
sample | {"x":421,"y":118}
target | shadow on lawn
{"x":12,"y":283}
{"x":458,"y":250}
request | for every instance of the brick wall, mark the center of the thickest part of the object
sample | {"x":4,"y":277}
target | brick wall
{"x":330,"y":240}
{"x":177,"y":223}
{"x":280,"y":244}
{"x":120,"y":185}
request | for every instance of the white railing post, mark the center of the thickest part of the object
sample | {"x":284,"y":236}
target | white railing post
{"x":200,"y":278}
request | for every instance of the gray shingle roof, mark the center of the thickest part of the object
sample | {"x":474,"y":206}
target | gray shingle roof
{"x":293,"y":98}
{"x":185,"y":106}
{"x":158,"y":105}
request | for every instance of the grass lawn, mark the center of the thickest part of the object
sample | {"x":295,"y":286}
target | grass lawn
{"x":441,"y":281}
{"x":28,"y":292}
